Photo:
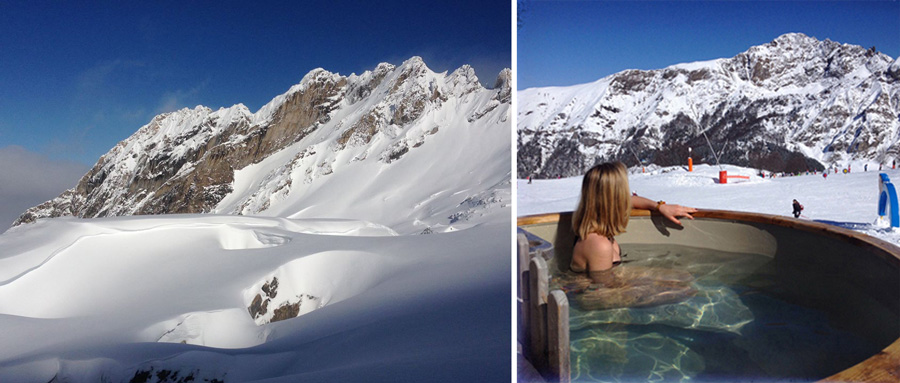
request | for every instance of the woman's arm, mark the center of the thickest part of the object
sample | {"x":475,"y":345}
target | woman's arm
{"x":672,"y":212}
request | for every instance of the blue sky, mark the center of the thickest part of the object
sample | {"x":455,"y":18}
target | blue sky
{"x":78,"y":77}
{"x":574,"y":42}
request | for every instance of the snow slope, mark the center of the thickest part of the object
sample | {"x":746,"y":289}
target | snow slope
{"x":849,"y":200}
{"x":452,"y":177}
{"x":113,"y":298}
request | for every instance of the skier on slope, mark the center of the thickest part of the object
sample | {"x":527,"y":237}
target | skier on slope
{"x":797,"y":209}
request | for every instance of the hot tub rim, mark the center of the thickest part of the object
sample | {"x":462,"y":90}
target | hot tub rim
{"x":884,"y":249}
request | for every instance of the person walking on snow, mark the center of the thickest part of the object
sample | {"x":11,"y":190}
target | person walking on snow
{"x":797,"y":209}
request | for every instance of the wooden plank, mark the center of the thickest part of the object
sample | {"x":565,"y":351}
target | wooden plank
{"x":558,"y":337}
{"x":882,"y":367}
{"x":523,"y":258}
{"x":537,"y":218}
{"x":523,"y":301}
{"x":525,"y":318}
{"x":537,"y":322}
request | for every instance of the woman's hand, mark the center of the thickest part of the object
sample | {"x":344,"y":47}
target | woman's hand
{"x":672,"y":212}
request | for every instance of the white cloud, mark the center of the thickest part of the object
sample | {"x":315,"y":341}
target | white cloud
{"x":99,"y":78}
{"x":28,"y":179}
{"x":175,"y":100}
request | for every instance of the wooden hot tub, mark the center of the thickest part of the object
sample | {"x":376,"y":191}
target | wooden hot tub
{"x":867,"y":264}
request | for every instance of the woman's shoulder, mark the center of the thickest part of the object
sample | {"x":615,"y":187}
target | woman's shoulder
{"x":596,"y":242}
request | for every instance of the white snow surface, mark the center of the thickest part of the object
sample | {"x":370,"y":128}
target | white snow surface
{"x":848,"y":200}
{"x":110,"y":298}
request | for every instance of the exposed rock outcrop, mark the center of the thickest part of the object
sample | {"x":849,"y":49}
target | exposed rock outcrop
{"x":288,"y":307}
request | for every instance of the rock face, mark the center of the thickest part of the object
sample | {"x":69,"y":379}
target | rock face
{"x":289,"y":307}
{"x":793,"y":104}
{"x":186,"y":161}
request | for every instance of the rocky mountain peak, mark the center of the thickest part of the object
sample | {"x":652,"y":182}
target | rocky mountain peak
{"x":413,"y":67}
{"x":187,"y":161}
{"x":894,"y":69}
{"x":463,"y":80}
{"x":383,"y":68}
{"x":414,"y":62}
{"x":794,"y":39}
{"x":465,"y":72}
{"x":504,"y":79}
{"x":503,"y":86}
{"x":798,"y":60}
{"x":316,"y":75}
{"x":792,"y":104}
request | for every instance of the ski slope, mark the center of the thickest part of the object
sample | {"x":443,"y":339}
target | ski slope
{"x":848,"y":200}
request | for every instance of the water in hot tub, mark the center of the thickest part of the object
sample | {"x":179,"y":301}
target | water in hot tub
{"x":753,"y":318}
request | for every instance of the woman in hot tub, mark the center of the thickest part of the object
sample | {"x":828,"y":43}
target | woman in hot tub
{"x":603,"y":211}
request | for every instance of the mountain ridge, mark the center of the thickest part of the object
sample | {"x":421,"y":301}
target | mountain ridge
{"x":792,"y":104}
{"x":186,"y":161}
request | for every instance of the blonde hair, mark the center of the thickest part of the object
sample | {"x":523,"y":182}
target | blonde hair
{"x":605,"y":203}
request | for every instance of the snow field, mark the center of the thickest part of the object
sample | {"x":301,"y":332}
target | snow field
{"x":848,"y":200}
{"x":118,"y":295}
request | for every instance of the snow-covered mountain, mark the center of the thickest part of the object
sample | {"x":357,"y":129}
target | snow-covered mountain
{"x":402,"y":146}
{"x":793,"y":104}
{"x":301,"y":260}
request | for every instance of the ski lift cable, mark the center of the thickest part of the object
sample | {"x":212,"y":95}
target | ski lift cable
{"x":716,"y":156}
{"x":622,"y":145}
{"x":636,"y":157}
{"x":697,"y":124}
